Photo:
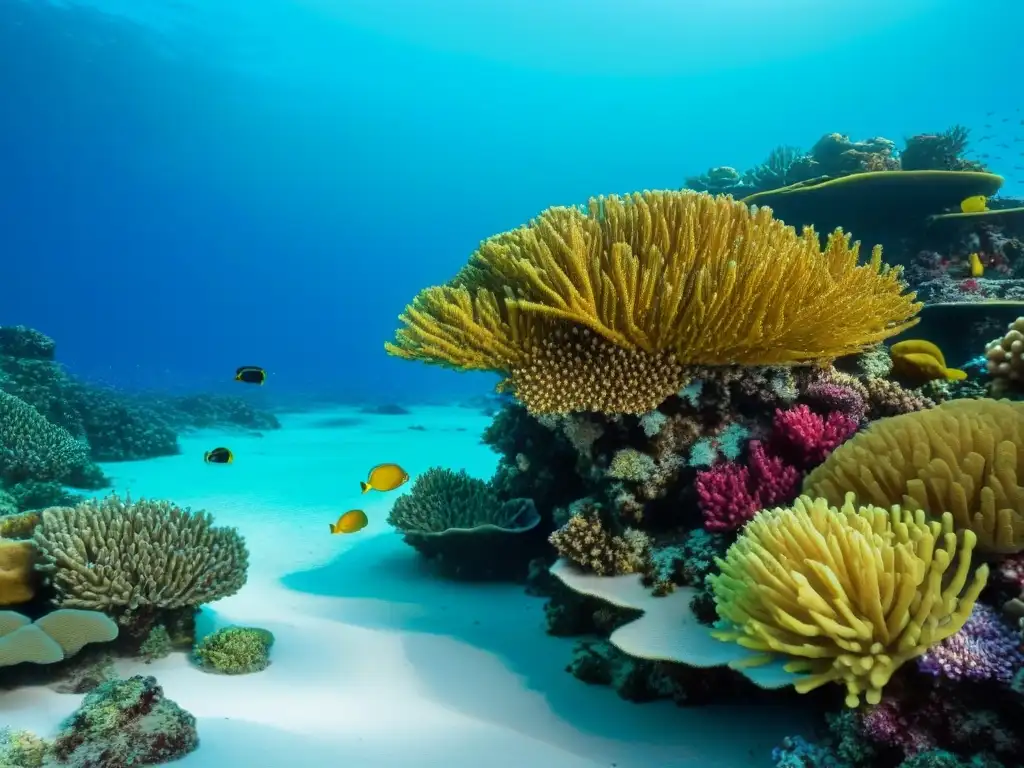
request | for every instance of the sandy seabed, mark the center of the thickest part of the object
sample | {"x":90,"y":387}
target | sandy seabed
{"x":378,"y":663}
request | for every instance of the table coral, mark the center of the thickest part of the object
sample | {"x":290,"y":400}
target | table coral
{"x":604,"y":310}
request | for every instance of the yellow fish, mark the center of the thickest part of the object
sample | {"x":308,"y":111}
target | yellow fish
{"x":919,"y":361}
{"x":385,"y":477}
{"x":974,"y":204}
{"x":219,"y":456}
{"x":352,"y":521}
{"x":977,"y":268}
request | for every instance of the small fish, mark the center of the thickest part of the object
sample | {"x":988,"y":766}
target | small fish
{"x":974,"y":204}
{"x":385,"y":477}
{"x":985,"y":157}
{"x":977,"y":268}
{"x":251,"y":374}
{"x":219,"y":456}
{"x":352,"y":521}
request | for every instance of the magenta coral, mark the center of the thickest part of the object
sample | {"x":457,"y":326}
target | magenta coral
{"x":730,"y":493}
{"x":808,"y":438}
{"x":832,"y":396}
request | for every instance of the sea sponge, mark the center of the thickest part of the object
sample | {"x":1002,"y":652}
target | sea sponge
{"x":16,"y":571}
{"x":918,"y":361}
{"x":963,"y":457}
{"x":235,"y":650}
{"x":604,"y":310}
{"x":849,"y":594}
{"x":118,"y":555}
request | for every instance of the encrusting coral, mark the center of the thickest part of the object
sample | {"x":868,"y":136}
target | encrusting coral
{"x":849,"y":594}
{"x":117,"y":556}
{"x":962,"y":457}
{"x":603,"y":311}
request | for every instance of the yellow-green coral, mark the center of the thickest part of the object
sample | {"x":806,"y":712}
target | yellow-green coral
{"x":585,"y":541}
{"x":965,"y":457}
{"x":118,"y":555}
{"x":601,"y":311}
{"x":235,"y":650}
{"x":849,"y":594}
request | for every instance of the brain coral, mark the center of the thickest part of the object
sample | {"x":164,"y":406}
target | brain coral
{"x":603,"y":310}
{"x":117,"y":555}
{"x":964,"y":457}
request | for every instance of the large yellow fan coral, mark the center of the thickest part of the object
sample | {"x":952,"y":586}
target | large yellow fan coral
{"x":850,"y":594}
{"x":603,"y":311}
{"x":964,"y":457}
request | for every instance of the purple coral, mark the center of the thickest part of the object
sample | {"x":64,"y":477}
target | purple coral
{"x":837,"y":397}
{"x":985,"y":649}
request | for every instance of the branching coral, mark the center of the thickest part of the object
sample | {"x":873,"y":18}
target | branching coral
{"x":601,"y":311}
{"x":117,"y":556}
{"x":962,"y":457}
{"x":730,"y":494}
{"x":850,"y":594}
{"x":585,"y":541}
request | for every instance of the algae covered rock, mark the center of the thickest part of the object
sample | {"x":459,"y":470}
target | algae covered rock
{"x":235,"y":650}
{"x":126,"y":722}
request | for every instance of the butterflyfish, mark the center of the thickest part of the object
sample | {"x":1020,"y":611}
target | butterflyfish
{"x":977,"y":268}
{"x":385,"y":477}
{"x":974,"y":204}
{"x":219,"y":456}
{"x":350,"y":522}
{"x":251,"y":374}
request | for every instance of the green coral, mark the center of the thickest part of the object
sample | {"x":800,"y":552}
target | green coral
{"x":157,"y":644}
{"x":21,"y":749}
{"x":235,"y":650}
{"x":33,"y":448}
{"x":631,"y":464}
{"x":443,"y":500}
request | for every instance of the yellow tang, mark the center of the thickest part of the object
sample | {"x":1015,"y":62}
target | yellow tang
{"x":352,"y":521}
{"x":974,"y":204}
{"x":385,"y":477}
{"x":977,"y":268}
{"x":920,"y":361}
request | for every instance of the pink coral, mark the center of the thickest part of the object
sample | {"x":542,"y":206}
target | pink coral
{"x":807,"y":438}
{"x":834,"y":396}
{"x":730,"y":494}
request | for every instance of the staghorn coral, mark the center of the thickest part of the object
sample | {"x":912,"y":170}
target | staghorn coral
{"x":731,"y":494}
{"x":602,"y":311}
{"x":585,"y":541}
{"x":118,"y":556}
{"x":849,"y":594}
{"x":961,"y":457}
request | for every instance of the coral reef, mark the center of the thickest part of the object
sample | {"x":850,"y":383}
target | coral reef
{"x":234,"y":650}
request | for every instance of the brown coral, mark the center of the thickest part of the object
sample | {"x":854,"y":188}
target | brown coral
{"x":585,"y":541}
{"x":963,"y":457}
{"x":602,"y":310}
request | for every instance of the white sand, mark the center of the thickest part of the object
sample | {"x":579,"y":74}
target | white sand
{"x":378,"y":663}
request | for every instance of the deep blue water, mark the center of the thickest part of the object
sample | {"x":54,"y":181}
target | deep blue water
{"x":189,"y":186}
